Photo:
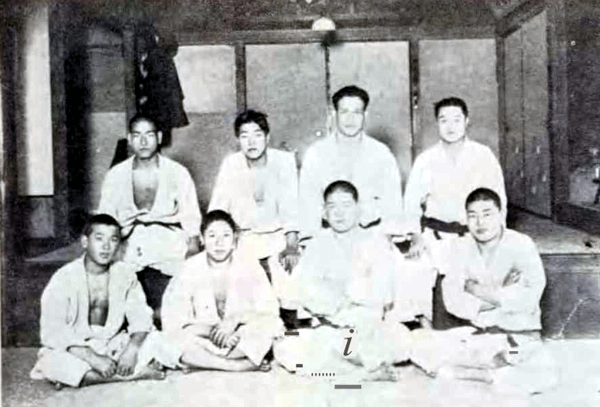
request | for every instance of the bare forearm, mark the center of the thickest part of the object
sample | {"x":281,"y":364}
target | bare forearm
{"x":83,"y":352}
{"x":200,"y":329}
{"x":488,"y":297}
{"x":291,"y":239}
{"x":136,"y":340}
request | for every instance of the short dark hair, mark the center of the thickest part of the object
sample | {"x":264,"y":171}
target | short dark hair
{"x":100,"y":219}
{"x":138,"y":118}
{"x":215,"y":216}
{"x":451,"y":101}
{"x":350,"y":91}
{"x":343,"y":186}
{"x":483,"y":194}
{"x":251,"y":116}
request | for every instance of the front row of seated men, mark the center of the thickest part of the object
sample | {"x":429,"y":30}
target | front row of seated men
{"x":221,"y":313}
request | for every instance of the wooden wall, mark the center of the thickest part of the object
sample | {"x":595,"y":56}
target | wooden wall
{"x":288,"y":80}
{"x":464,"y":68}
{"x":526,"y":155}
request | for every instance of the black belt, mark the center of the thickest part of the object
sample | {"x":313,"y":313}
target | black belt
{"x":175,"y":225}
{"x":509,"y":334}
{"x":497,"y":330}
{"x":440,"y":226}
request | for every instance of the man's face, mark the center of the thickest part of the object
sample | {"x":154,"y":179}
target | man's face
{"x":253,"y":140}
{"x":102,"y":243}
{"x":144,"y":139}
{"x":341,"y":211}
{"x":220,"y":240}
{"x":452,"y":124}
{"x":484,"y":220}
{"x":350,"y":116}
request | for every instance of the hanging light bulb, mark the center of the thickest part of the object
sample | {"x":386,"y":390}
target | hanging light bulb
{"x":323,"y":24}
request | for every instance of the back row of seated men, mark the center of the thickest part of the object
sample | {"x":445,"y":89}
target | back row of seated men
{"x":154,"y":199}
{"x":224,"y":303}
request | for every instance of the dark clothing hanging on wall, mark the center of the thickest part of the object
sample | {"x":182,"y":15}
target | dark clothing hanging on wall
{"x":160,"y":94}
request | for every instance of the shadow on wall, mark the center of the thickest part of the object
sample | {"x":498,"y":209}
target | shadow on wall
{"x":201,"y":147}
{"x":386,"y":136}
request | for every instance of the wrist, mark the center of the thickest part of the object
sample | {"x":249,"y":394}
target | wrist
{"x":291,"y":240}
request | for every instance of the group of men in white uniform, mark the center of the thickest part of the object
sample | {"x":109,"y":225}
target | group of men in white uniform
{"x":323,"y":241}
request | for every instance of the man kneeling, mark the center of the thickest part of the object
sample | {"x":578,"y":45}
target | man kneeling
{"x":82,"y":339}
{"x":220,"y":311}
{"x":345,"y":281}
{"x":494,"y":282}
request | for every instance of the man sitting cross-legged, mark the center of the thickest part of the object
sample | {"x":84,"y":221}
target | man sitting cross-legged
{"x":220,"y":311}
{"x":494,"y":282}
{"x":84,"y":307}
{"x":345,"y":279}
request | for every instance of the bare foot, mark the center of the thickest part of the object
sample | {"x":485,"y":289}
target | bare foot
{"x":466,"y":373}
{"x":156,"y":365}
{"x":384,"y":373}
{"x":265,"y":366}
{"x":149,"y":373}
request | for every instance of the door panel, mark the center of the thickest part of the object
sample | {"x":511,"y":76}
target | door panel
{"x":462,"y":68}
{"x":287,"y":82}
{"x":207,"y":76}
{"x":514,"y":154}
{"x":535,"y":107}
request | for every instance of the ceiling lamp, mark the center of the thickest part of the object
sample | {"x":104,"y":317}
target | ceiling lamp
{"x":323,"y":24}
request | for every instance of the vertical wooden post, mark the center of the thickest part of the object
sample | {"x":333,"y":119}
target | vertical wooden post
{"x":58,"y":16}
{"x":240,"y":76}
{"x":558,"y":104}
{"x":413,"y":56}
{"x":8,"y":93}
{"x":129,"y":55}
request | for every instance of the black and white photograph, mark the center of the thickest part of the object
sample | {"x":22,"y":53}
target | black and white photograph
{"x":303,"y":203}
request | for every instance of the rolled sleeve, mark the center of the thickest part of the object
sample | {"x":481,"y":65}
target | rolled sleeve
{"x":176,"y":310}
{"x":137,"y":311}
{"x":289,"y":194}
{"x":55,"y":330}
{"x":416,"y":191}
{"x":524,"y":296}
{"x":457,"y":301}
{"x":190,"y":215}
{"x":108,"y":198}
{"x":392,"y":201}
{"x":220,"y":198}
{"x":310,"y":193}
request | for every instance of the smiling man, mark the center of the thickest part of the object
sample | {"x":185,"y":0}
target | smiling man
{"x":154,"y":200}
{"x":350,"y":154}
{"x":220,"y":311}
{"x":85,"y":306}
